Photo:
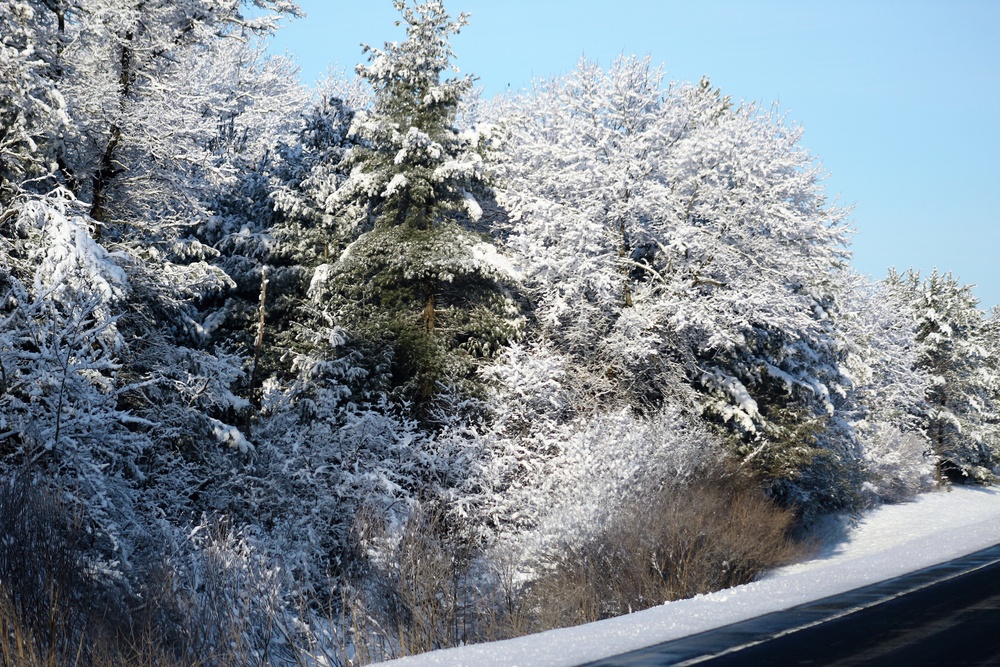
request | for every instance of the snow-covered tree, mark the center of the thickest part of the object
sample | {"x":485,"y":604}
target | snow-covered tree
{"x":303,"y":174}
{"x":417,"y":277}
{"x":127,"y":77}
{"x":258,"y":107}
{"x":61,"y":302}
{"x":32,"y":112}
{"x":677,"y":240}
{"x":311,"y":170}
{"x":143,"y":110}
{"x":326,"y":464}
{"x":950,"y":333}
{"x":582,"y":183}
{"x":888,"y":388}
{"x":112,"y":383}
{"x":991,"y":341}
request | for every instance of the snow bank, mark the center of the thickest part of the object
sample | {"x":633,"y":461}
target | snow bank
{"x":888,"y":542}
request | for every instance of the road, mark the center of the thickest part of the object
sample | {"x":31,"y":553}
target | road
{"x":945,"y":615}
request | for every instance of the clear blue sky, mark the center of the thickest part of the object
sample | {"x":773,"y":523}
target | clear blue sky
{"x":899,"y":98}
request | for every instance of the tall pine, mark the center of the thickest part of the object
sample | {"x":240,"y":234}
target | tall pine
{"x":419,"y":282}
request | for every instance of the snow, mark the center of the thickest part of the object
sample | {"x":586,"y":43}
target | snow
{"x":397,"y":183}
{"x":230,"y":436}
{"x":887,"y":542}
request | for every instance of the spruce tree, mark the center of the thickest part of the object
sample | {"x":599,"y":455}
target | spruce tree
{"x":951,"y":335}
{"x":418,"y":281}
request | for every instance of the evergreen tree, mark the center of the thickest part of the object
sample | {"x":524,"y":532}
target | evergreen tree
{"x":417,"y":279}
{"x":306,"y":172}
{"x":886,"y":397}
{"x":951,"y":335}
{"x":991,"y":371}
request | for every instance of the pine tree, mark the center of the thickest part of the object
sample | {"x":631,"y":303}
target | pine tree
{"x":417,"y":277}
{"x":950,"y":333}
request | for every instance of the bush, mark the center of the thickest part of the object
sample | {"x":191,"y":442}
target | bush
{"x":48,"y":597}
{"x":212,"y":599}
{"x":421,"y":587}
{"x":688,"y":539}
{"x":215,"y":598}
{"x":413,"y":587}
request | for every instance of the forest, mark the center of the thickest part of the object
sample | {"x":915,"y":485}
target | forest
{"x":328,"y":375}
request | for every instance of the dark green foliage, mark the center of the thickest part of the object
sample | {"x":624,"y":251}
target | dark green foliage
{"x":397,"y":263}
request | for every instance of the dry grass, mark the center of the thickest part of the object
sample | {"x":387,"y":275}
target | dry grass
{"x":713,"y":534}
{"x":48,"y":604}
{"x":56,"y":646}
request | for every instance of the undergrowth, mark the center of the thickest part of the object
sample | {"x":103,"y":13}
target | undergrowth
{"x":216,"y":602}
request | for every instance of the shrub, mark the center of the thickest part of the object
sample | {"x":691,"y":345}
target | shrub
{"x":47,"y":596}
{"x":212,"y":599}
{"x":413,"y":585}
{"x":681,"y":541}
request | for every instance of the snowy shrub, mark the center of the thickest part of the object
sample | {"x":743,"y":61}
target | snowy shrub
{"x":556,"y":454}
{"x":551,"y":481}
{"x":898,"y":464}
{"x":567,"y":491}
{"x":682,"y":540}
{"x":212,"y":596}
{"x":418,"y":581}
{"x":45,"y":579}
{"x":605,"y":460}
{"x":322,"y":460}
{"x":215,"y":596}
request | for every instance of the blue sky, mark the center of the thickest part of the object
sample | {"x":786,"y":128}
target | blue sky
{"x":899,"y":99}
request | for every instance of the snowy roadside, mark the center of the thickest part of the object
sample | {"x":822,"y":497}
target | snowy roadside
{"x":889,"y":541}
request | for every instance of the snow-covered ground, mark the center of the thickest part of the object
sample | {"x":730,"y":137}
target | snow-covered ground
{"x":889,"y":541}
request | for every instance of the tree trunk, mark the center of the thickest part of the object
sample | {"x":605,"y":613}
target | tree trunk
{"x":939,"y":445}
{"x":429,"y":304}
{"x":108,"y":170}
{"x":259,"y":341}
{"x":623,"y":253}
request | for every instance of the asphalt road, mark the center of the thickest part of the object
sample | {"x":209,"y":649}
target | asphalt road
{"x":942,"y":616}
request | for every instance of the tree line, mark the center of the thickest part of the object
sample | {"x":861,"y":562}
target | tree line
{"x":336,"y":319}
